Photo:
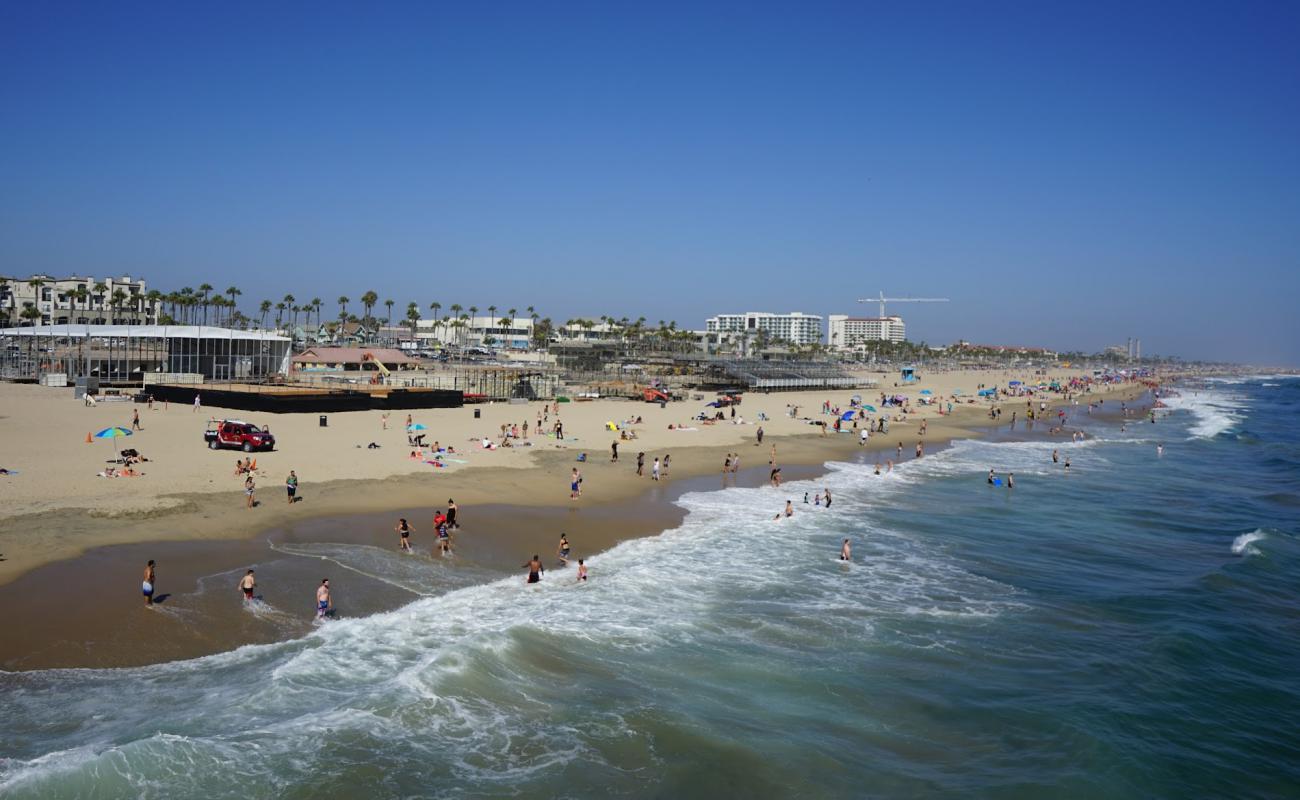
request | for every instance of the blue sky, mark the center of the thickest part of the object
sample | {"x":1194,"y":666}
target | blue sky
{"x":1068,"y":175}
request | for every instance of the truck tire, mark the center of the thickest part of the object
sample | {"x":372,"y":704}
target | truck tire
{"x":213,"y":445}
{"x":248,"y":447}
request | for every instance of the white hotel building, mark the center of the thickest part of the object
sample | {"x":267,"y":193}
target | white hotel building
{"x":63,"y":301}
{"x":848,"y":332}
{"x":794,"y":327}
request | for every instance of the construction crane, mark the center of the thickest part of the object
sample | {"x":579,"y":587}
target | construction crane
{"x":882,"y":300}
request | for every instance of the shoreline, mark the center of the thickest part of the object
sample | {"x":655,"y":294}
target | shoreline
{"x":509,"y":499}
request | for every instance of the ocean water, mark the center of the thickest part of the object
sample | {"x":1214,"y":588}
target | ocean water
{"x":1130,"y":628}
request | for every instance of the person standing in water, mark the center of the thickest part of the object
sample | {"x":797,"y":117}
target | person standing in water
{"x":1056,"y":457}
{"x":575,"y":484}
{"x":246,"y":585}
{"x":404,"y":535}
{"x":827,"y":492}
{"x":1011,"y":480}
{"x":789,"y":510}
{"x":324,"y":603}
{"x":452,"y":510}
{"x":654,"y":469}
{"x":147,"y":585}
{"x":846,"y":551}
{"x":563,"y":550}
{"x":535,"y":569}
{"x":640,"y":464}
{"x":582,"y":570}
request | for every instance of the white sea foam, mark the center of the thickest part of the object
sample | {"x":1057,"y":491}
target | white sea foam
{"x":1244,"y":545}
{"x":1213,"y":412}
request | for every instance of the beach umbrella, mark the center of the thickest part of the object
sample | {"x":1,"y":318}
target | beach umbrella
{"x":872,"y":409}
{"x":415,"y":427}
{"x":1013,"y":383}
{"x":926,"y":391}
{"x":114,"y":432}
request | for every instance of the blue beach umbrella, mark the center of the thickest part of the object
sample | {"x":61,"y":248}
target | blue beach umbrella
{"x":113,"y":433}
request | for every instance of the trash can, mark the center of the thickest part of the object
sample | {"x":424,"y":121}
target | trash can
{"x":324,"y":423}
{"x":478,"y":412}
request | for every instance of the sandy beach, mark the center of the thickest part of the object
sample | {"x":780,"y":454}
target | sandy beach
{"x":63,"y":525}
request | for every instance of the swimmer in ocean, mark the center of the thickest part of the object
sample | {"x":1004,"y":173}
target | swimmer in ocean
{"x":1011,"y":480}
{"x":563,"y":550}
{"x":246,"y":585}
{"x":828,"y":497}
{"x":324,"y":603}
{"x":535,"y":569}
{"x":789,"y":510}
{"x":846,"y":551}
{"x":582,"y":570}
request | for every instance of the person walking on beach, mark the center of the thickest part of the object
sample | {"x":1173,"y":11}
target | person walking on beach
{"x":654,"y":469}
{"x":846,"y":551}
{"x":613,"y":450}
{"x":249,"y":488}
{"x":559,"y":430}
{"x":291,"y":486}
{"x":135,"y":420}
{"x":196,"y":403}
{"x":575,"y":484}
{"x":246,"y":585}
{"x":640,"y":464}
{"x":760,"y":436}
{"x":444,"y":535}
{"x":404,"y":535}
{"x":665,"y":470}
{"x":146,"y":586}
{"x":535,"y":569}
{"x":324,"y":602}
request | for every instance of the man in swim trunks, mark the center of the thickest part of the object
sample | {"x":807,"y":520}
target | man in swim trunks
{"x":246,"y":585}
{"x":789,"y":510}
{"x":147,"y":586}
{"x":324,"y":603}
{"x":575,"y":484}
{"x":291,"y":485}
{"x":535,"y":569}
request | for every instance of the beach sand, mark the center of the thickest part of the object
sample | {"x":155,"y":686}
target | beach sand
{"x":62,"y":527}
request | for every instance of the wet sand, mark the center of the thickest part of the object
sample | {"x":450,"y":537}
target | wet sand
{"x":89,"y":612}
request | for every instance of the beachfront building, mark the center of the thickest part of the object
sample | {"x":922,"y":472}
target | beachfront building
{"x":849,"y":333}
{"x":492,"y":331}
{"x":795,"y":327}
{"x":353,"y":359}
{"x":76,"y":301}
{"x":136,"y":354}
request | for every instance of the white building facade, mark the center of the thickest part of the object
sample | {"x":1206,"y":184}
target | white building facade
{"x":515,"y":334}
{"x":795,"y":327}
{"x":847,"y":333}
{"x":77,"y":301}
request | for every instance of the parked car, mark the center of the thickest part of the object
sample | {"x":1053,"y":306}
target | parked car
{"x":237,"y":434}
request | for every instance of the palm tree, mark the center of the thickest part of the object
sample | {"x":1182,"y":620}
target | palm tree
{"x":265,"y":308}
{"x":412,"y":315}
{"x":492,"y":313}
{"x":368,"y":300}
{"x":154,"y":297}
{"x":36,"y":284}
{"x":456,"y":308}
{"x":4,"y":289}
{"x":205,"y":288}
{"x":389,"y":305}
{"x":343,"y":306}
{"x":234,"y":292}
{"x":279,"y":314}
{"x":315,"y":304}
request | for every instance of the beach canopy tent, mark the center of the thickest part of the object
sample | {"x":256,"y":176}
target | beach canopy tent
{"x":847,"y":416}
{"x":988,"y":392}
{"x":909,"y":374}
{"x":126,"y":353}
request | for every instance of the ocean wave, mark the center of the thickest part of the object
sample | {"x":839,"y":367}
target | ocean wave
{"x":1212,"y":412}
{"x":1244,"y":545}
